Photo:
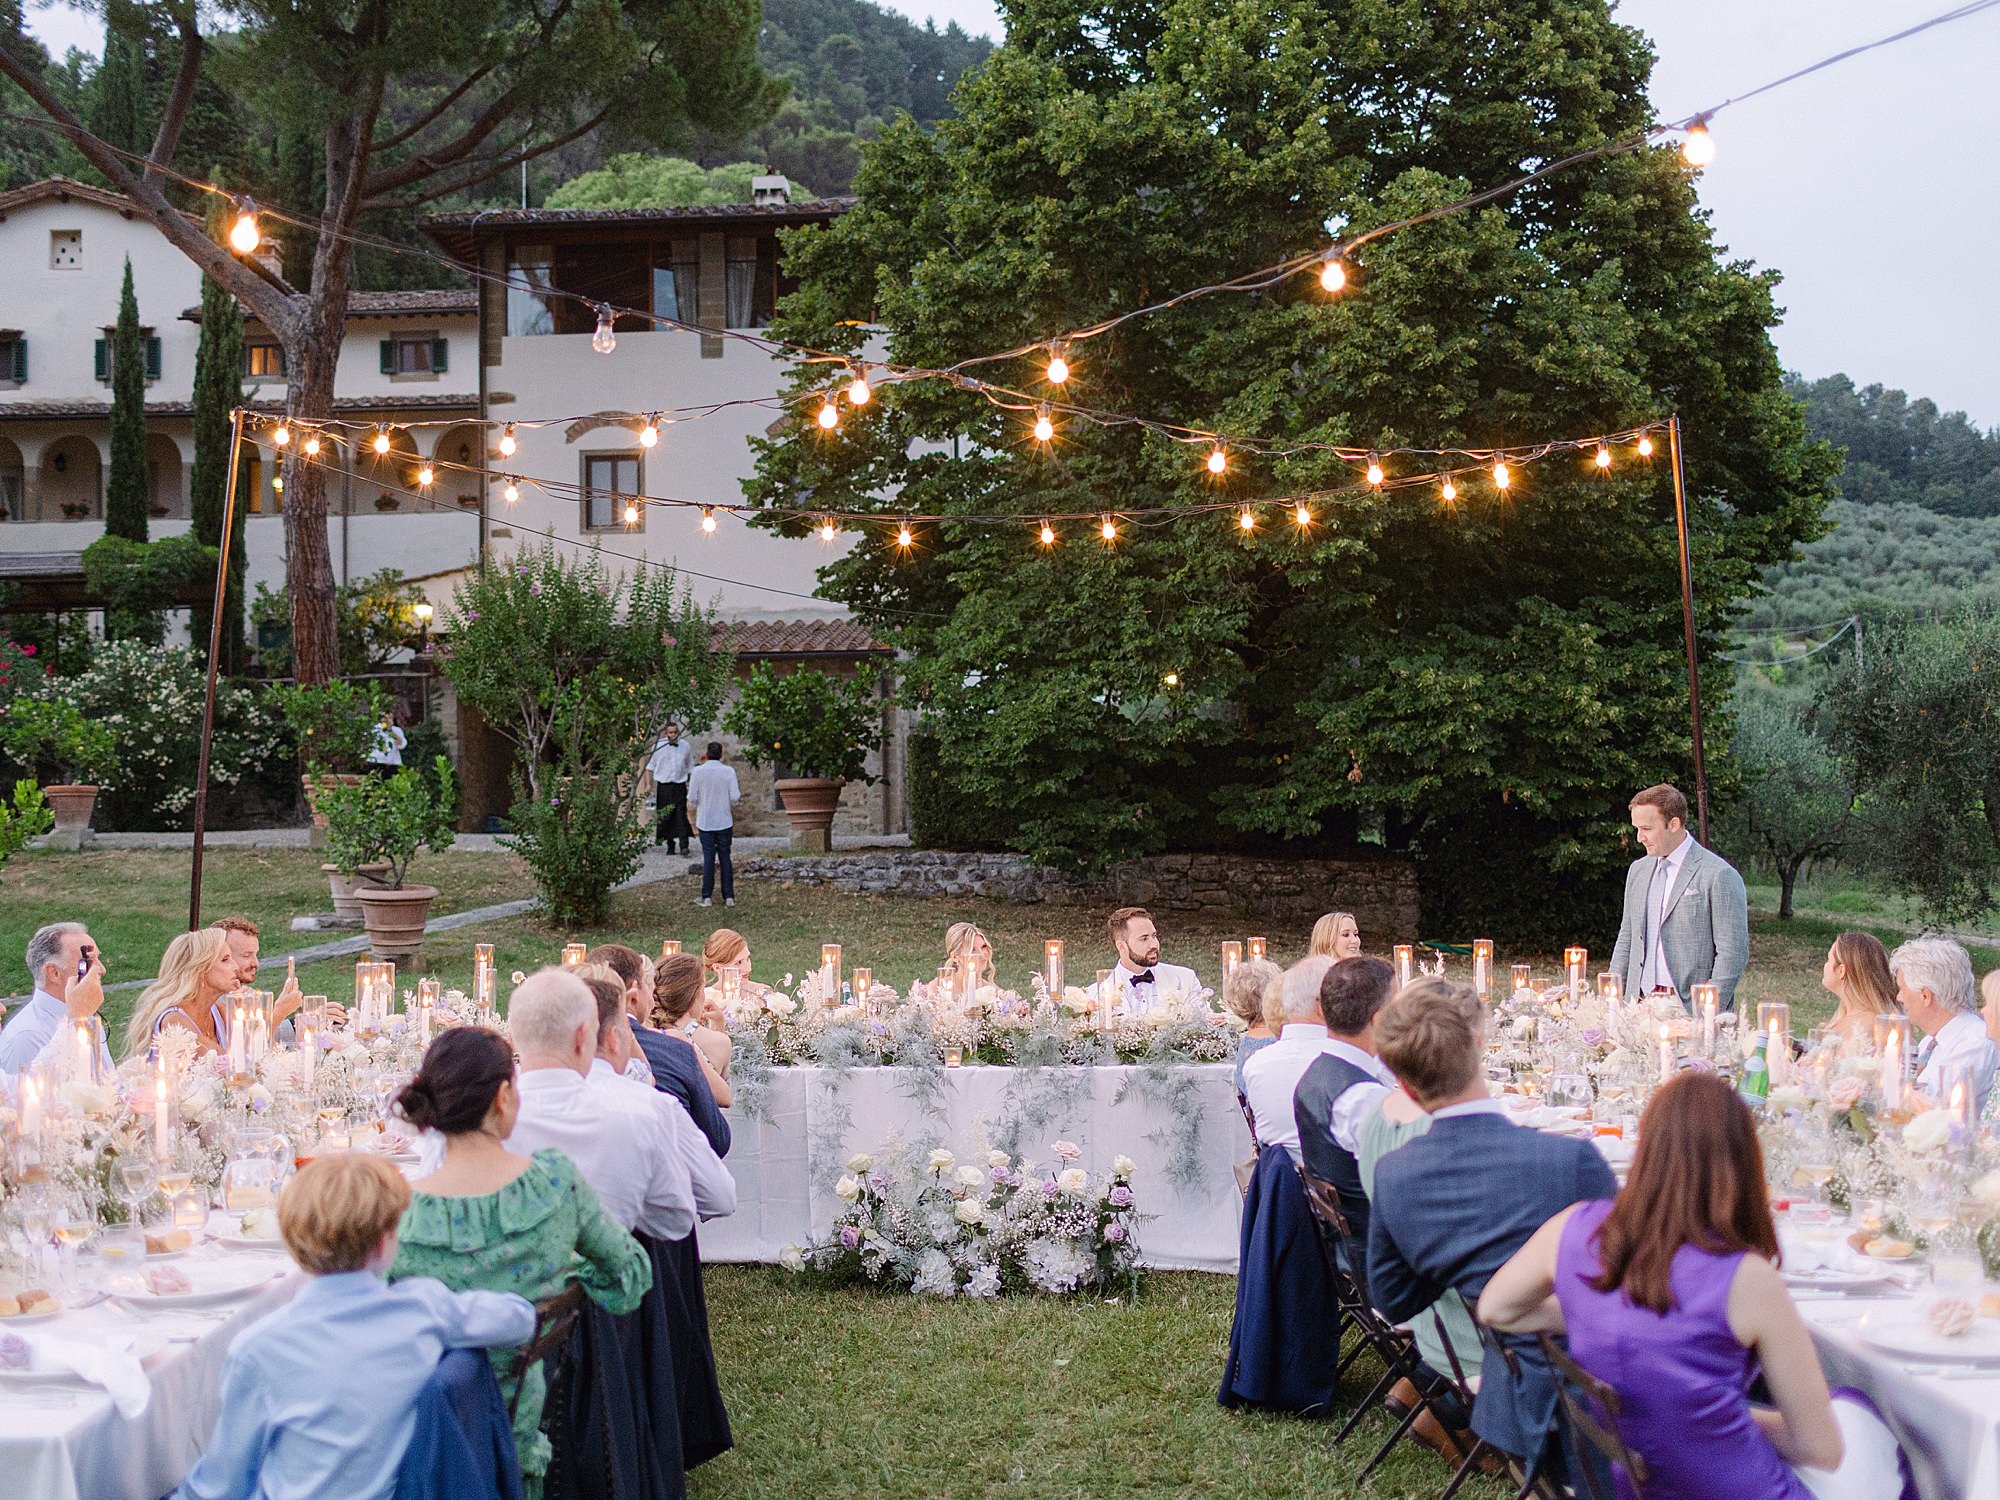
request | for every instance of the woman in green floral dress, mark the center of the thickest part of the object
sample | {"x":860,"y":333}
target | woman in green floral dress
{"x":491,"y":1219}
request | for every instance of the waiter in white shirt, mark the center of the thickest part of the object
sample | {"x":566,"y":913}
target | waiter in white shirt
{"x":1141,"y":981}
{"x":619,"y":1143}
{"x":68,"y":975}
{"x":672,"y":759}
{"x":712,"y":796}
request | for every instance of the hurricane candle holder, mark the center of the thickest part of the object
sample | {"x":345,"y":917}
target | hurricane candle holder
{"x":1052,"y":968}
{"x":1482,"y":969}
{"x":829,"y":973}
{"x":1256,"y":948}
{"x":1576,"y":967}
{"x":574,"y":955}
{"x":1406,"y":964}
{"x":1524,"y":979}
{"x":1232,"y":960}
{"x":864,"y":979}
{"x":670,"y":948}
{"x":1707,"y":1001}
{"x":1105,"y":990}
{"x":1610,"y":987}
{"x":1774,"y":1021}
{"x":1892,"y":1045}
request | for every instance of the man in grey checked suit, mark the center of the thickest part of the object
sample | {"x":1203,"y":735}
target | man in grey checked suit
{"x":1686,"y":919}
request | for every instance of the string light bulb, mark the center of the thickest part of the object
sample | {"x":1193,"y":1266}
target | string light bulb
{"x":1302,"y":514}
{"x":1172,"y":679}
{"x":857,"y":389}
{"x":708,"y":519}
{"x":1107,"y":528}
{"x":511,"y":493}
{"x":605,"y":339}
{"x":1058,"y":365}
{"x":649,"y":435}
{"x":1045,"y":427}
{"x":1375,"y":472}
{"x":278,"y":484}
{"x":1333,"y":273}
{"x":1048,"y":535}
{"x":826,"y":529}
{"x":1698,"y":150}
{"x":1449,"y":492}
{"x":426,"y":476}
{"x":1217,"y":461}
{"x":244,"y":234}
{"x":381,"y":441}
{"x":1502,"y":476}
{"x":1246,"y":520}
{"x":903,"y":537}
{"x":312,"y":445}
{"x":631,"y":513}
{"x":829,"y":415}
{"x":507,"y":443}
{"x":1645,"y":447}
{"x":281,"y":435}
{"x":1603,"y":458}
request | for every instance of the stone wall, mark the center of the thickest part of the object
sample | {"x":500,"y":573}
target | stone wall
{"x":1382,"y":893}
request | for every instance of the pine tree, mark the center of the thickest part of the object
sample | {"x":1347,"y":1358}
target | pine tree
{"x":118,"y":106}
{"x":218,"y":387}
{"x":125,"y":495}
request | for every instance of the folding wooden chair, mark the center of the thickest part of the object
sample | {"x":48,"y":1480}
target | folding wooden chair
{"x":1583,"y":1396}
{"x":1534,"y":1481}
{"x":555,"y":1321}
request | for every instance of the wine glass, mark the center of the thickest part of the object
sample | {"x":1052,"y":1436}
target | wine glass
{"x":136,"y":1181}
{"x":37,"y":1215}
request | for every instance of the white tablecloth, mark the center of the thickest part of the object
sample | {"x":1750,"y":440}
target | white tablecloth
{"x":67,"y":1442}
{"x":785,"y":1166}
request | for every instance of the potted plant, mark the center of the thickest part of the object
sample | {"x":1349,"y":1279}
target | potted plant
{"x":54,"y":732}
{"x":389,"y":818}
{"x":334,"y":725}
{"x":816,"y":727}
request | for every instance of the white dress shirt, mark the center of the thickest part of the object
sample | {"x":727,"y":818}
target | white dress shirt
{"x":1129,"y":999}
{"x":714,"y":1187}
{"x":1359,"y":1102}
{"x":1659,"y":895}
{"x":620,"y":1144}
{"x":671,"y":760}
{"x":712,"y":796}
{"x":1962,"y":1041}
{"x":1487,"y":1105}
{"x":34,"y":1030}
{"x":1271,"y":1077}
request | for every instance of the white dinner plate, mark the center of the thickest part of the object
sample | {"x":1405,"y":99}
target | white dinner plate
{"x":1902,"y":1331}
{"x":41,"y":1377}
{"x":215,"y":1282}
{"x":1837,"y":1281}
{"x":275,"y":1243}
{"x":22,"y":1320}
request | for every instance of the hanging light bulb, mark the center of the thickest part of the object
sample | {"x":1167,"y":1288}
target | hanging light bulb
{"x":281,"y":435}
{"x":1058,"y":365}
{"x":1048,"y":535}
{"x":1645,"y":447}
{"x":1333,"y":273}
{"x":1502,"y":477}
{"x":381,"y":440}
{"x":507,"y":443}
{"x":826,"y":531}
{"x":708,"y":519}
{"x":1217,"y":461}
{"x":649,"y":435}
{"x":829,"y":415}
{"x":1107,"y":528}
{"x":1449,"y":492}
{"x":903,"y":537}
{"x":1172,"y":679}
{"x":278,"y":484}
{"x":312,"y":445}
{"x":1375,"y":471}
{"x":1044,"y":427}
{"x":857,"y":388}
{"x":1302,"y":514}
{"x":1698,"y":150}
{"x":1246,"y":520}
{"x":1603,"y":458}
{"x":426,"y":476}
{"x":605,"y":339}
{"x":631,"y":513}
{"x":244,"y":235}
{"x":511,"y":493}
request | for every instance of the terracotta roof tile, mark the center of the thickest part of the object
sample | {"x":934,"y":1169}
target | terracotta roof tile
{"x":46,"y":410}
{"x":798,"y":638}
{"x":63,"y":189}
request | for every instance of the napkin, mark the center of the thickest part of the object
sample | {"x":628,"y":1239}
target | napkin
{"x":1834,"y":1254}
{"x":117,"y":1372}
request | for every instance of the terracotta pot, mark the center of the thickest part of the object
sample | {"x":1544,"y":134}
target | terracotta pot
{"x":395,"y":919}
{"x":346,"y":904}
{"x":810,"y":803}
{"x":71,"y":805}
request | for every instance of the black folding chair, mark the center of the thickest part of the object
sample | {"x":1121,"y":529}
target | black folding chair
{"x":1535,"y":1480}
{"x":1583,"y":1396}
{"x":555,"y":1320}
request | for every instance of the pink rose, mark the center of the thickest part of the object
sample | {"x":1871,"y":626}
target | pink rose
{"x":1843,"y":1093}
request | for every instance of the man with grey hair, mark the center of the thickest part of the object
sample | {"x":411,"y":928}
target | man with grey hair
{"x":1271,"y":1075}
{"x":68,"y":974}
{"x":1934,"y":986}
{"x":618,"y":1140}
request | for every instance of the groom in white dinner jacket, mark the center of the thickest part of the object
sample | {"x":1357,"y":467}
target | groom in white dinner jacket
{"x":1141,"y":981}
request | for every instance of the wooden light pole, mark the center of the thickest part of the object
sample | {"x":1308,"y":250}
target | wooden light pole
{"x":1687,"y":628}
{"x":214,"y":663}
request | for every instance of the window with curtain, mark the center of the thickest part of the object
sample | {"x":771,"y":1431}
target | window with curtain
{"x":741,"y":281}
{"x":530,"y":276}
{"x":677,"y":280}
{"x":607,"y":479}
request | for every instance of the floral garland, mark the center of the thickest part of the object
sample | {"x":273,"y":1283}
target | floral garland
{"x":934,"y":1227}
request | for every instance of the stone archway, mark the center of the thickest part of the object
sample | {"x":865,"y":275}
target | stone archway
{"x":386,"y":482}
{"x":13,"y":482}
{"x":458,"y":458}
{"x":166,"y":482}
{"x":72,"y":480}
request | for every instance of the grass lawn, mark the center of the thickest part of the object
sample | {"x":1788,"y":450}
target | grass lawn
{"x":854,"y":1392}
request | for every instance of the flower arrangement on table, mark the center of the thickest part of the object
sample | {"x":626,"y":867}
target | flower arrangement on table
{"x":937,"y":1227}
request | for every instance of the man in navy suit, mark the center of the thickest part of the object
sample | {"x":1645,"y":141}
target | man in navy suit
{"x":1452,"y":1205}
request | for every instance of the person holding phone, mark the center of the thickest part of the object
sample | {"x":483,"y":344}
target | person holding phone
{"x":68,"y":975}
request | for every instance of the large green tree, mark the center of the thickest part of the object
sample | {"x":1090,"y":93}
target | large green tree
{"x":1486,"y":681}
{"x":410,"y":101}
{"x":115,"y":102}
{"x":125,"y":488}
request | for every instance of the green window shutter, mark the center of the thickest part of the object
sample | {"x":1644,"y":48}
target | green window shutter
{"x":21,"y":359}
{"x":388,"y":356}
{"x":153,"y":358}
{"x":439,"y":353}
{"x":104,"y":359}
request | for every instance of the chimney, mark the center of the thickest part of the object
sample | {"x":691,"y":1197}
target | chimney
{"x":772,"y":189}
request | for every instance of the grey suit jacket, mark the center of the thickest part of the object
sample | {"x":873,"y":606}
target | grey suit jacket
{"x":1706,"y":936}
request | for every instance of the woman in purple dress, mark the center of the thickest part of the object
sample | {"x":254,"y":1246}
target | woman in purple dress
{"x":1671,"y":1296}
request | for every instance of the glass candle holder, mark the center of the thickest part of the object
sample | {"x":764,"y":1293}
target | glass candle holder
{"x":1774,"y":1024}
{"x":864,"y":980}
{"x":1052,"y":967}
{"x":1106,"y":998}
{"x":1524,"y":979}
{"x":1892,"y":1047}
{"x":1576,"y":970}
{"x":669,"y":948}
{"x":829,"y":973}
{"x":953,"y":1056}
{"x":1256,"y":948}
{"x":1232,"y":960}
{"x":1406,"y":964}
{"x":1482,"y":968}
{"x":1611,"y":987}
{"x":573,"y":955}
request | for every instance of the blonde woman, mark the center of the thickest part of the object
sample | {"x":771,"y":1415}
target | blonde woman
{"x":1857,"y":974}
{"x":196,"y":972}
{"x":1243,"y":997}
{"x":965,"y":946}
{"x":1337,"y":936}
{"x":726,"y":951}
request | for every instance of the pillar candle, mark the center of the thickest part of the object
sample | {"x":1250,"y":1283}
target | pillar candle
{"x":1257,"y":948}
{"x":259,"y":1038}
{"x":163,"y":1117}
{"x":1706,"y":998}
{"x":1666,"y":1055}
{"x":1482,"y":968}
{"x":308,"y":1057}
{"x":1232,"y":960}
{"x":1611,"y":987}
{"x":239,"y":1042}
{"x":1576,"y":963}
{"x":1524,"y":979}
{"x":829,"y":973}
{"x":1052,"y":967}
{"x":1406,"y":964}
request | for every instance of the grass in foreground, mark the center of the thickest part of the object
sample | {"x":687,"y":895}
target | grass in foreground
{"x":854,"y":1392}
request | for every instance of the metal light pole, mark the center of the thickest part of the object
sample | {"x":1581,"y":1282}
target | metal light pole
{"x":1687,"y":628}
{"x":214,"y":662}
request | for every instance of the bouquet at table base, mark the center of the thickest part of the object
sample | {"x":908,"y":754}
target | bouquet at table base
{"x":937,"y":1227}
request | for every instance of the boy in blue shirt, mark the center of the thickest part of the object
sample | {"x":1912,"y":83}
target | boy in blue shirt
{"x":319,"y":1397}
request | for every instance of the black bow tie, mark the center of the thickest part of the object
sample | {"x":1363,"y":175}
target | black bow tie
{"x":1144,"y":976}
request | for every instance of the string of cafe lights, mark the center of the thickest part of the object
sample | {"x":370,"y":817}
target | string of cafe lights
{"x":1329,"y":264}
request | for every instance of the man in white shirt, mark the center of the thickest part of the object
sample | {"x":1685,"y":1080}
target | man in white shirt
{"x":68,"y":975}
{"x":1271,"y":1075}
{"x":1141,"y":981}
{"x":713,"y":795}
{"x":619,"y":1143}
{"x":672,"y":759}
{"x":1934,"y":986}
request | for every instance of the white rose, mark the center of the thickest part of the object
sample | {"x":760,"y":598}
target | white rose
{"x":1788,"y":1096}
{"x":1927,"y":1132}
{"x":1074,"y":1181}
{"x":195,"y":1108}
{"x":969,"y":1211}
{"x":859,"y":1163}
{"x":1000,"y":1161}
{"x":847,"y":1190}
{"x":1123,"y":1166}
{"x":780,"y":1006}
{"x":942,"y":1161}
{"x":970,"y":1176}
{"x":1862,"y":1066}
{"x":1987,"y":1189}
{"x":1067,"y":1150}
{"x":791,"y":1258}
{"x":85,"y":1098}
{"x":1524,"y":1026}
